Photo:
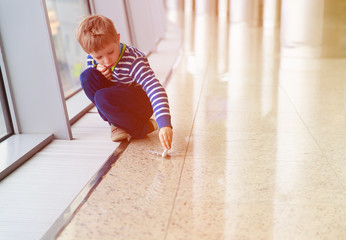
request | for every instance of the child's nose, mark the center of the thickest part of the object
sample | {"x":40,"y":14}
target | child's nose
{"x":108,"y":60}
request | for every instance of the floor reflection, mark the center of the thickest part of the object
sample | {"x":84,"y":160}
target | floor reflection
{"x":265,"y":85}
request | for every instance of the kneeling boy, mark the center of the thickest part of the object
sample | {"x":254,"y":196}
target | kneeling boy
{"x":121,"y":84}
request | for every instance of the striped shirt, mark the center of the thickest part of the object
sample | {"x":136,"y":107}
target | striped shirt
{"x":133,"y":67}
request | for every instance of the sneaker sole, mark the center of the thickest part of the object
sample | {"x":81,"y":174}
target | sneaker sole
{"x":120,"y":137}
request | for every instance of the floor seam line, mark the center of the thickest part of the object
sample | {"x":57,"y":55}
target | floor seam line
{"x":312,"y":136}
{"x":187,"y":147}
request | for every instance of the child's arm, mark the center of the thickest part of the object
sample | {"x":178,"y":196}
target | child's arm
{"x":144,"y":75}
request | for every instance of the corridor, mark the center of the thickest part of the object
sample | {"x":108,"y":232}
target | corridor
{"x":259,"y":151}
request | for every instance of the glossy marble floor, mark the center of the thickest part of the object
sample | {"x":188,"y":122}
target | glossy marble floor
{"x":259,"y":147}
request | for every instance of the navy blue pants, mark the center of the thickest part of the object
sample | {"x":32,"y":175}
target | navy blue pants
{"x":124,"y":106}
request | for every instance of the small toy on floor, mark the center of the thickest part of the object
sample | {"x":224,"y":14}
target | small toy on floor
{"x":165,"y":153}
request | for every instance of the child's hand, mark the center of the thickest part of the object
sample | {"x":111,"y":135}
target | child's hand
{"x":166,"y":136}
{"x":105,"y":71}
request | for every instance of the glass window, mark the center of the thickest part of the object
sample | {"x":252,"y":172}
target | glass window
{"x":64,"y":17}
{"x":6,"y":128}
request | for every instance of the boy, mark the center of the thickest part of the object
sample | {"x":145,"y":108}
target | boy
{"x":121,"y":84}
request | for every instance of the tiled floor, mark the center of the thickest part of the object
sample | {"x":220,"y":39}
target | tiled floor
{"x":259,"y":148}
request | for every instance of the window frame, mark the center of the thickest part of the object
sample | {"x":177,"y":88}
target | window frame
{"x":5,"y":109}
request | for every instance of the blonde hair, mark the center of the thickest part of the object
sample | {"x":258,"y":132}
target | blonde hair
{"x":94,"y":32}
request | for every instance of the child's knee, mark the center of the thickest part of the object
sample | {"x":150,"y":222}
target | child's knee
{"x":107,"y":101}
{"x":87,"y":72}
{"x":100,"y":98}
{"x":86,"y":75}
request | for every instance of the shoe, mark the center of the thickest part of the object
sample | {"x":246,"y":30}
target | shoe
{"x":152,"y":126}
{"x":118,"y":134}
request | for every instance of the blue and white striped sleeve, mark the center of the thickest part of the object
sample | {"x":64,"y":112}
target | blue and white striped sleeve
{"x":143,"y":74}
{"x":90,"y":62}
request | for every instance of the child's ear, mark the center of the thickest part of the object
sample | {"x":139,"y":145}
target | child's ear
{"x":118,"y":37}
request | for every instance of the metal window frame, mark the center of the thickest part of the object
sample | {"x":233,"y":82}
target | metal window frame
{"x":5,"y":109}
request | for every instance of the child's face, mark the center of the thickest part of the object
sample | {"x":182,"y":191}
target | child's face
{"x":108,"y":55}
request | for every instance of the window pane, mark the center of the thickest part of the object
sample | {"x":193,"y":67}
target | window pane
{"x":64,"y":17}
